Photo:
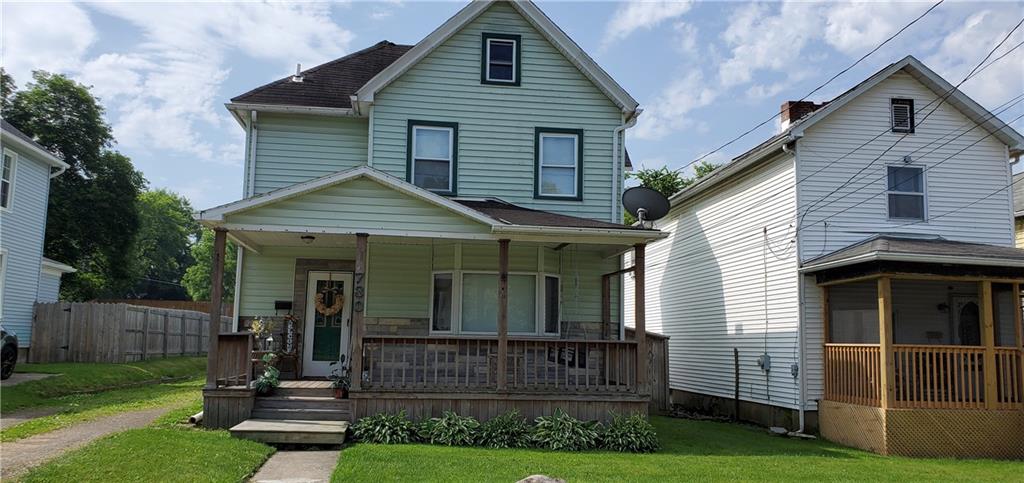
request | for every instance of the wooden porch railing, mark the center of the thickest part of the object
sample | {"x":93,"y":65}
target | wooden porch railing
{"x":466,"y":364}
{"x":926,"y":376}
{"x":852,"y":373}
{"x":234,"y":359}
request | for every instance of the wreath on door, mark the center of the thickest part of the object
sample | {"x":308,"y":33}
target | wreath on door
{"x":337,"y":298}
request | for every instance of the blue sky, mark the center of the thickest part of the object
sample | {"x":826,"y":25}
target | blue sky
{"x":703,"y":72}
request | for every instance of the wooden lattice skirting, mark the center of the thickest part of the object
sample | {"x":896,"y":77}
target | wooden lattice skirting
{"x":957,"y":433}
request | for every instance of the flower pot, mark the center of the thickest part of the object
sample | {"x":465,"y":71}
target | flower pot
{"x":339,"y":393}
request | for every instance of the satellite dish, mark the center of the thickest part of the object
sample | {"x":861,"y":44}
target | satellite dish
{"x":645,"y":204}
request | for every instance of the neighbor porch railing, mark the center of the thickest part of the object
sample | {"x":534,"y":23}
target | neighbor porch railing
{"x":924,"y":376}
{"x":467,"y":364}
{"x":234,"y":360}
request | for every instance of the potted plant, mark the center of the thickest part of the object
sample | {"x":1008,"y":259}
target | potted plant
{"x":269,"y":380}
{"x":340,"y":379}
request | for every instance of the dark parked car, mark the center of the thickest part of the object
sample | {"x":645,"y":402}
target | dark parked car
{"x":8,"y":352}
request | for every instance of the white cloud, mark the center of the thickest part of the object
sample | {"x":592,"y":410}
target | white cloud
{"x":760,"y":40}
{"x":668,"y":111}
{"x":686,"y":38}
{"x":50,"y":36}
{"x":857,"y":27}
{"x":642,"y":14}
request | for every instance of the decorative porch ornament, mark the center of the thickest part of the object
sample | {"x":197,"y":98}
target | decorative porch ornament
{"x":338,"y":302}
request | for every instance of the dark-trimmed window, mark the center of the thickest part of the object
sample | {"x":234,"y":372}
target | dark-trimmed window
{"x":902,"y":114}
{"x":559,"y":163}
{"x":500,"y":59}
{"x":906,"y":192}
{"x":433,"y":155}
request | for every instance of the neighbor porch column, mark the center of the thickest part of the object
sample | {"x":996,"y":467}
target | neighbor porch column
{"x":216,"y":299}
{"x":1018,"y":323}
{"x":640,"y":314}
{"x":988,"y":339}
{"x":358,"y":311}
{"x":887,"y":379}
{"x":502,"y":313}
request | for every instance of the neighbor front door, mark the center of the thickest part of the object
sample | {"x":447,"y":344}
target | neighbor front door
{"x":328,"y":324}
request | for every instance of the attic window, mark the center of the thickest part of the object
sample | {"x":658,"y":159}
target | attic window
{"x":902,"y":115}
{"x":500,"y":59}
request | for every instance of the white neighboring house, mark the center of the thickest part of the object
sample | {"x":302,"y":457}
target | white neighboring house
{"x":26,"y":276}
{"x":755,"y":246}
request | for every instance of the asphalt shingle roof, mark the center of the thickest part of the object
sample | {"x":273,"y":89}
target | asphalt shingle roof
{"x":895,"y":245}
{"x":330,"y":84}
{"x":518,"y":215}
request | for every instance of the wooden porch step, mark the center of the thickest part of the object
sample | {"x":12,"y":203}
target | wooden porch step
{"x":291,"y":431}
{"x":301,"y":402}
{"x":305,"y":414}
{"x":304,"y":391}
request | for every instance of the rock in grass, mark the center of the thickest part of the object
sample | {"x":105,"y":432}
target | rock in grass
{"x":778,"y":431}
{"x":540,"y":479}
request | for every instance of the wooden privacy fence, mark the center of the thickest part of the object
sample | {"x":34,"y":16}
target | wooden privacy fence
{"x":193,"y":305}
{"x":115,"y":333}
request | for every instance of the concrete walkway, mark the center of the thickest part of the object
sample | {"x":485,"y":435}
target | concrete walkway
{"x":298,"y":467}
{"x":14,"y":418}
{"x":22,"y":455}
{"x":20,"y":377}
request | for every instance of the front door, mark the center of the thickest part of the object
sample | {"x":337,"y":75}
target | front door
{"x":966,"y":320}
{"x":328,"y":324}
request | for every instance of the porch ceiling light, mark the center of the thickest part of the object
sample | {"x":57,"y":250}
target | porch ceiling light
{"x":307,"y":239}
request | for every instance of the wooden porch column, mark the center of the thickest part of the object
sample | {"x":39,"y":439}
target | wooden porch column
{"x":887,"y":379}
{"x":502,"y":313}
{"x":216,"y":299}
{"x":358,"y":311}
{"x":988,"y":339}
{"x":639,"y":315}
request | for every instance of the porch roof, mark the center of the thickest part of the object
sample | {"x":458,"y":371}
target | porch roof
{"x":918,"y":250}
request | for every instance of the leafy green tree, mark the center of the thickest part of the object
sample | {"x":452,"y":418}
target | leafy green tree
{"x":92,"y":219}
{"x":667,"y":182}
{"x":197,"y":277}
{"x":164,"y":242}
{"x":7,"y":89}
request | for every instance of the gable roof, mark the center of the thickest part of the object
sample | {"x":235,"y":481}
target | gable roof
{"x":329,"y":85}
{"x":532,"y":14}
{"x":15,"y":136}
{"x":974,"y":111}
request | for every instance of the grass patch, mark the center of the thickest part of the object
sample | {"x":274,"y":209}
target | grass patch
{"x":82,"y":377}
{"x":89,"y":406}
{"x":691,"y":450}
{"x":157,"y":454}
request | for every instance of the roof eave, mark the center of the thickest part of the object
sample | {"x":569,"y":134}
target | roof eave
{"x":35,"y":149}
{"x":291,"y":109}
{"x":913,"y":257}
{"x":729,"y":170}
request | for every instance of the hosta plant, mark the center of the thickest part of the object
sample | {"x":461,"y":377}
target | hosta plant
{"x":450,"y":430}
{"x":632,"y":434}
{"x":563,"y":432}
{"x":384,"y":428}
{"x":510,"y":430}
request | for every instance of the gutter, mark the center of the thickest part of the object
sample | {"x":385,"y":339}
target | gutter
{"x":290,"y":109}
{"x":549,"y":230}
{"x":617,"y":158}
{"x":47,"y":156}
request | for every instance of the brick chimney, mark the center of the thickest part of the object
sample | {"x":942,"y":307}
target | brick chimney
{"x":792,"y":111}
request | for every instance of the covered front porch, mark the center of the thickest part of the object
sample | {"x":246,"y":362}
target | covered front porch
{"x":924,"y":359}
{"x":521,"y":312}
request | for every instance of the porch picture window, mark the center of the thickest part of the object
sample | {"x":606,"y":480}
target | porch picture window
{"x":7,"y":180}
{"x":532,"y":298}
{"x":432,"y":155}
{"x":441,"y":316}
{"x":906,"y":192}
{"x":559,"y":169}
{"x":500,"y":58}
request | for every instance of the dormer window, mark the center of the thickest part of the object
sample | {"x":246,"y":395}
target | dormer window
{"x":500,"y":55}
{"x":902,"y":115}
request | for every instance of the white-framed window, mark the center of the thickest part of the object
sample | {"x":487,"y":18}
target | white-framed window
{"x":500,"y":57}
{"x":465,"y":302}
{"x":433,"y":155}
{"x":559,"y":163}
{"x":902,"y":115}
{"x":10,"y":160}
{"x":906,"y":193}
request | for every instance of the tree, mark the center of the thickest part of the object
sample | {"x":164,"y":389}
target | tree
{"x":667,"y":182}
{"x":92,"y":218}
{"x":197,"y":279}
{"x":163,"y":244}
{"x":7,"y":89}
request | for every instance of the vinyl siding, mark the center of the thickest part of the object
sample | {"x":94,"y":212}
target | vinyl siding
{"x":1020,"y":232}
{"x":294,"y":148}
{"x":22,"y":229}
{"x":49,"y":287}
{"x":963,"y":179}
{"x":270,"y":275}
{"x":359,"y":205}
{"x":706,"y":287}
{"x":496,"y":123}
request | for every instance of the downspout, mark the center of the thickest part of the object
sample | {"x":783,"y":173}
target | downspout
{"x":369,"y":139}
{"x":618,"y":156}
{"x":801,"y":354}
{"x":59,"y":172}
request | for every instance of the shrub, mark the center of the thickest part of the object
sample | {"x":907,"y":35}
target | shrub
{"x":510,"y":430}
{"x":269,"y":380}
{"x":384,"y":428}
{"x":450,"y":430}
{"x":563,"y":432}
{"x":633,"y":434}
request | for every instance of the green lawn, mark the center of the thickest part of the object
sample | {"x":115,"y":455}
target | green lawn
{"x":692,"y":450}
{"x":81,"y":377}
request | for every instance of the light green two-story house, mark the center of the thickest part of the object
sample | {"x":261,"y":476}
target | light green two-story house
{"x":444,"y":219}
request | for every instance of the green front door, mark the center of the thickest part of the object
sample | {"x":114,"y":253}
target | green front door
{"x":328,"y":322}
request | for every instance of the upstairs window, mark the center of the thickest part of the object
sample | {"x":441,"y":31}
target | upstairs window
{"x":7,"y":180}
{"x":559,"y":155}
{"x":906,"y":193}
{"x":500,"y":57}
{"x":902,"y":115}
{"x":432,"y":155}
